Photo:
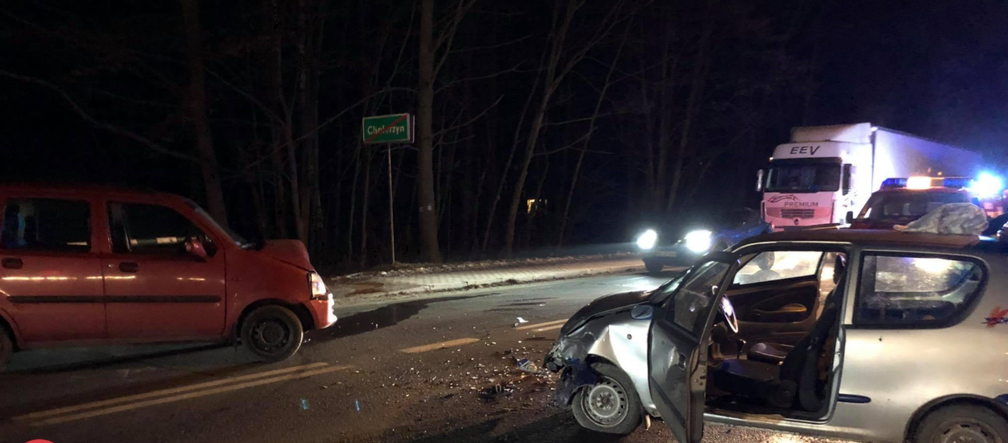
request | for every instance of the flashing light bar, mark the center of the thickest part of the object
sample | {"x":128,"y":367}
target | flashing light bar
{"x":985,"y":185}
{"x":919,"y":182}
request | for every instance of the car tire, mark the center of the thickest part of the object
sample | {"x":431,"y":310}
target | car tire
{"x":594,"y":407}
{"x":6,"y":347}
{"x":962,"y":423}
{"x":653,"y":267}
{"x":272,"y":333}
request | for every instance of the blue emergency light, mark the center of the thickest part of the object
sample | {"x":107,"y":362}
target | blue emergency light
{"x":985,"y":185}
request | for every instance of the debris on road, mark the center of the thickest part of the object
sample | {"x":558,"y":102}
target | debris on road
{"x":304,"y":404}
{"x":520,"y":321}
{"x":526,"y":366}
{"x":493,"y":392}
{"x":357,"y":405}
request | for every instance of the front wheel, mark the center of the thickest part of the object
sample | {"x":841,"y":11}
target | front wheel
{"x":610,"y":405}
{"x":272,"y":333}
{"x":962,"y":423}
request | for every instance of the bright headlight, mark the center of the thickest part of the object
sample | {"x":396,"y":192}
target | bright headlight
{"x":698,"y":241}
{"x":647,"y":240}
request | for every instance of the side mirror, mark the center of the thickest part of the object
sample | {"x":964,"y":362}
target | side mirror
{"x":759,"y":180}
{"x":195,"y":248}
{"x":850,"y":217}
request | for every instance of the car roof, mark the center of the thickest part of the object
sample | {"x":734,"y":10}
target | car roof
{"x":874,"y":237}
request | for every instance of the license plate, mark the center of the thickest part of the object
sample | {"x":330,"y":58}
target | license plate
{"x":665,"y":253}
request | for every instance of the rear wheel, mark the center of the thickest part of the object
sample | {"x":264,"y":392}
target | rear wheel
{"x":653,"y":267}
{"x":962,"y":423}
{"x":610,"y":405}
{"x":272,"y":333}
{"x":6,"y":347}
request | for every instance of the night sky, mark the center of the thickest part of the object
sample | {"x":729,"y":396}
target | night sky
{"x":937,"y":69}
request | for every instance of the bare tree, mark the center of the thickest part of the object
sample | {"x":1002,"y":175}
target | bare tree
{"x":428,"y":70}
{"x":587,"y":137}
{"x":554,"y":72}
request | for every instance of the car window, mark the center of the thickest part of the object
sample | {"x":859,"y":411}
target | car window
{"x":912,"y":290}
{"x":769,"y":266}
{"x":150,"y":229}
{"x":44,"y":224}
{"x":694,"y":300}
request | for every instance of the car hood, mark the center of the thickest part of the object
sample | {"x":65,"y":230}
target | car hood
{"x":606,"y":305}
{"x":288,"y":251}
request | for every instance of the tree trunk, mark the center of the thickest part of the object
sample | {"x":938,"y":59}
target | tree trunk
{"x":198,"y":109}
{"x":425,"y":156}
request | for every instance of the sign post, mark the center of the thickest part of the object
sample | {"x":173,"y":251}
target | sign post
{"x":394,"y":128}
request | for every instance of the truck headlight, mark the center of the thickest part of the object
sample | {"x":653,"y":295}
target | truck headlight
{"x":647,"y":239}
{"x":319,"y":291}
{"x":699,"y":241}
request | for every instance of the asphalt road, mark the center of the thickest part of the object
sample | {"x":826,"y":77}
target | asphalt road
{"x":393,"y":372}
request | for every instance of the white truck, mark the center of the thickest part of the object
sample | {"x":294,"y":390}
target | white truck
{"x":826,"y":171}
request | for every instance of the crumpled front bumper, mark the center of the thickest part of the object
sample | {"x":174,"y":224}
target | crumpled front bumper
{"x":568,"y":356}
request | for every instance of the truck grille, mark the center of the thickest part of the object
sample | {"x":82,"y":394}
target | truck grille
{"x":797,"y":213}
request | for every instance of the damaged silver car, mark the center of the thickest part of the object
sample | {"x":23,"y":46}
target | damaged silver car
{"x":875,"y":336}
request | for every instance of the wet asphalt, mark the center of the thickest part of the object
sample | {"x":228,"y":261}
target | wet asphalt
{"x":433,"y":369}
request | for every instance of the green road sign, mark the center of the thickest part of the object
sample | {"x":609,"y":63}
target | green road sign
{"x":395,"y":128}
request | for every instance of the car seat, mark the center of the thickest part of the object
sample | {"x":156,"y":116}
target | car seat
{"x":795,"y":382}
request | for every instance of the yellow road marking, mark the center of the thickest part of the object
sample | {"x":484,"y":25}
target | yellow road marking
{"x":170,"y":391}
{"x":549,"y":328}
{"x":539,"y":325}
{"x":444,"y":344}
{"x":174,"y":398}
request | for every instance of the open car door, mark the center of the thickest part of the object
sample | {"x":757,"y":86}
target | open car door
{"x":677,"y":351}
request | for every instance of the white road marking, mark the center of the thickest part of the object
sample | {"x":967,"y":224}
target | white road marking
{"x":170,"y":391}
{"x":440,"y":345}
{"x":549,"y":328}
{"x":539,"y":325}
{"x":175,"y":398}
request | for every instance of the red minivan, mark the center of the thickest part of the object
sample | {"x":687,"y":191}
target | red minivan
{"x":96,"y":265}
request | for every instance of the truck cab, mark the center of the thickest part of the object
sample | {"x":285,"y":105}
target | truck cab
{"x":813,"y":181}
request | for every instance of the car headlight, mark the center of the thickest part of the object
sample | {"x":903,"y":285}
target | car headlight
{"x":319,"y":291}
{"x":699,"y":241}
{"x":647,"y":240}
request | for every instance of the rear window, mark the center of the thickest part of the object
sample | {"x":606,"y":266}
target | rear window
{"x":46,"y":224}
{"x":915,"y":290}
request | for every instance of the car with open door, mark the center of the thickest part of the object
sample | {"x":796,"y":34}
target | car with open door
{"x":862,"y":335}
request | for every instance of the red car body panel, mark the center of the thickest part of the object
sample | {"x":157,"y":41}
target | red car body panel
{"x":59,"y":297}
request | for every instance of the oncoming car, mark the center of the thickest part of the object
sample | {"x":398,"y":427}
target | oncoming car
{"x":865,"y":335}
{"x":735,"y":226}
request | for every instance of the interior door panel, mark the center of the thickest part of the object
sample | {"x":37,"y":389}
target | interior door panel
{"x":778,"y":311}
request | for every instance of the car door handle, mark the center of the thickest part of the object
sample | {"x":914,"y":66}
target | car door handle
{"x":13,"y":263}
{"x":128,"y":266}
{"x":682,"y":361}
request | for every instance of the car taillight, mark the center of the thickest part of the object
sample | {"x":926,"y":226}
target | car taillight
{"x":318,"y":287}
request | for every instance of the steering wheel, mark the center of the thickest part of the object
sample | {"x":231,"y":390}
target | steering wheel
{"x":728,"y":311}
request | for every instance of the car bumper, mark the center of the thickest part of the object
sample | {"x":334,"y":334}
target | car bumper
{"x":672,"y":256}
{"x":322,"y":312}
